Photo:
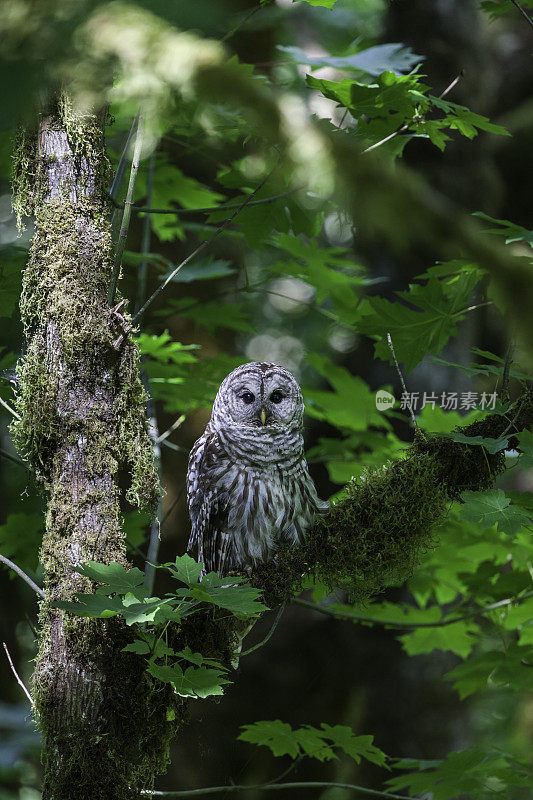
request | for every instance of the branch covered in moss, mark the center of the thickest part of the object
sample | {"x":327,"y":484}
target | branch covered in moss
{"x":376,"y":534}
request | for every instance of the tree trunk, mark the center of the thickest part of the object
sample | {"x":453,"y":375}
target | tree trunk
{"x":82,"y":410}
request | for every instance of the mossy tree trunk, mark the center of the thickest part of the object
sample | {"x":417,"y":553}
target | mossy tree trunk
{"x":82,"y":420}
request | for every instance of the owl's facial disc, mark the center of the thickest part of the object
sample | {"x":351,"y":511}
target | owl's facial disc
{"x":261,"y":395}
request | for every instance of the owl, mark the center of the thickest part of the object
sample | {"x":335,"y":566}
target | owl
{"x":248,"y":485}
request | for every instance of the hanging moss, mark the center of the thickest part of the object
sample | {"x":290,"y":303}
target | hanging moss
{"x":23,"y":176}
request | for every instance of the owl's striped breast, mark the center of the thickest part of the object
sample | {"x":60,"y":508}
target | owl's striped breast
{"x":249,"y":492}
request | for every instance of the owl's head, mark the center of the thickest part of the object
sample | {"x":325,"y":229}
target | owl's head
{"x":259,"y":394}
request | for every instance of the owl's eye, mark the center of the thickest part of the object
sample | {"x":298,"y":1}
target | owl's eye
{"x":247,"y":397}
{"x":276,"y":396}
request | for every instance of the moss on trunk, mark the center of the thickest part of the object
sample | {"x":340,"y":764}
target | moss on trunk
{"x":106,"y":723}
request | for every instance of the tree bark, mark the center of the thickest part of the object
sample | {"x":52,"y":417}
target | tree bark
{"x":106,"y":724}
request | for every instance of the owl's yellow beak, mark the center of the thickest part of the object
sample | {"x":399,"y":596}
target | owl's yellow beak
{"x":263,"y":416}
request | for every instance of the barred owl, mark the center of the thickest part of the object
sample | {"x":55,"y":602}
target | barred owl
{"x":248,"y":486}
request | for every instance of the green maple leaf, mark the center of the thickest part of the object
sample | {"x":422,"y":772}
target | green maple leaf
{"x":525,"y":444}
{"x":193,"y":682}
{"x":242,"y":601}
{"x":458,"y":638}
{"x":92,"y":605}
{"x":355,"y":746}
{"x":275,"y":734}
{"x":490,"y":444}
{"x":493,"y":507}
{"x":117,"y":578}
{"x":185,"y":569}
{"x":439,"y":306}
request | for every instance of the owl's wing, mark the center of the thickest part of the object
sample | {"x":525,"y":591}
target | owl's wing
{"x":208,"y":504}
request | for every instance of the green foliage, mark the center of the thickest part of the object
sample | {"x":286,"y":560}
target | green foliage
{"x":496,"y":8}
{"x":317,"y":743}
{"x":394,"y":101}
{"x":493,"y":508}
{"x":474,"y":772}
{"x":439,"y":306}
{"x":390,"y":57}
{"x":121,"y":592}
{"x":323,"y":3}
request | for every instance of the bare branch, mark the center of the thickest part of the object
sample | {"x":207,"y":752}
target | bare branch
{"x":523,"y":12}
{"x":155,"y":530}
{"x":22,"y":575}
{"x":175,"y":425}
{"x":224,"y":207}
{"x":243,"y":21}
{"x":10,"y":457}
{"x":451,"y":86}
{"x":404,"y":387}
{"x":172,"y":507}
{"x":273,"y":787}
{"x":18,"y":679}
{"x":146,"y":236}
{"x":126,"y":214}
{"x":8,"y":408}
{"x":442,"y":623}
{"x":268,"y":636}
{"x":119,"y":174}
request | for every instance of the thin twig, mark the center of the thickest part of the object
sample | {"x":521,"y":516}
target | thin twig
{"x":22,"y":575}
{"x":523,"y":12}
{"x":175,"y":447}
{"x":387,"y":138}
{"x":225,"y":207}
{"x":507,"y":366}
{"x":273,"y":787}
{"x":268,"y":636}
{"x":243,"y":21}
{"x":146,"y":236}
{"x":172,"y":507}
{"x":10,"y":457}
{"x":155,"y":530}
{"x":8,"y":408}
{"x":18,"y":679}
{"x":126,"y":214}
{"x":153,"y":550}
{"x":404,"y":387}
{"x":119,"y":174}
{"x":285,"y":772}
{"x":442,"y":623}
{"x":175,"y":425}
{"x":451,"y":86}
{"x":199,"y":249}
{"x":512,"y":422}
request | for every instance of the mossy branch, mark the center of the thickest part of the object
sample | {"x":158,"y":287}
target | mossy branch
{"x":377,"y":533}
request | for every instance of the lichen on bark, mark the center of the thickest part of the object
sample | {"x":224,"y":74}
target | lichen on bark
{"x":106,"y":723}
